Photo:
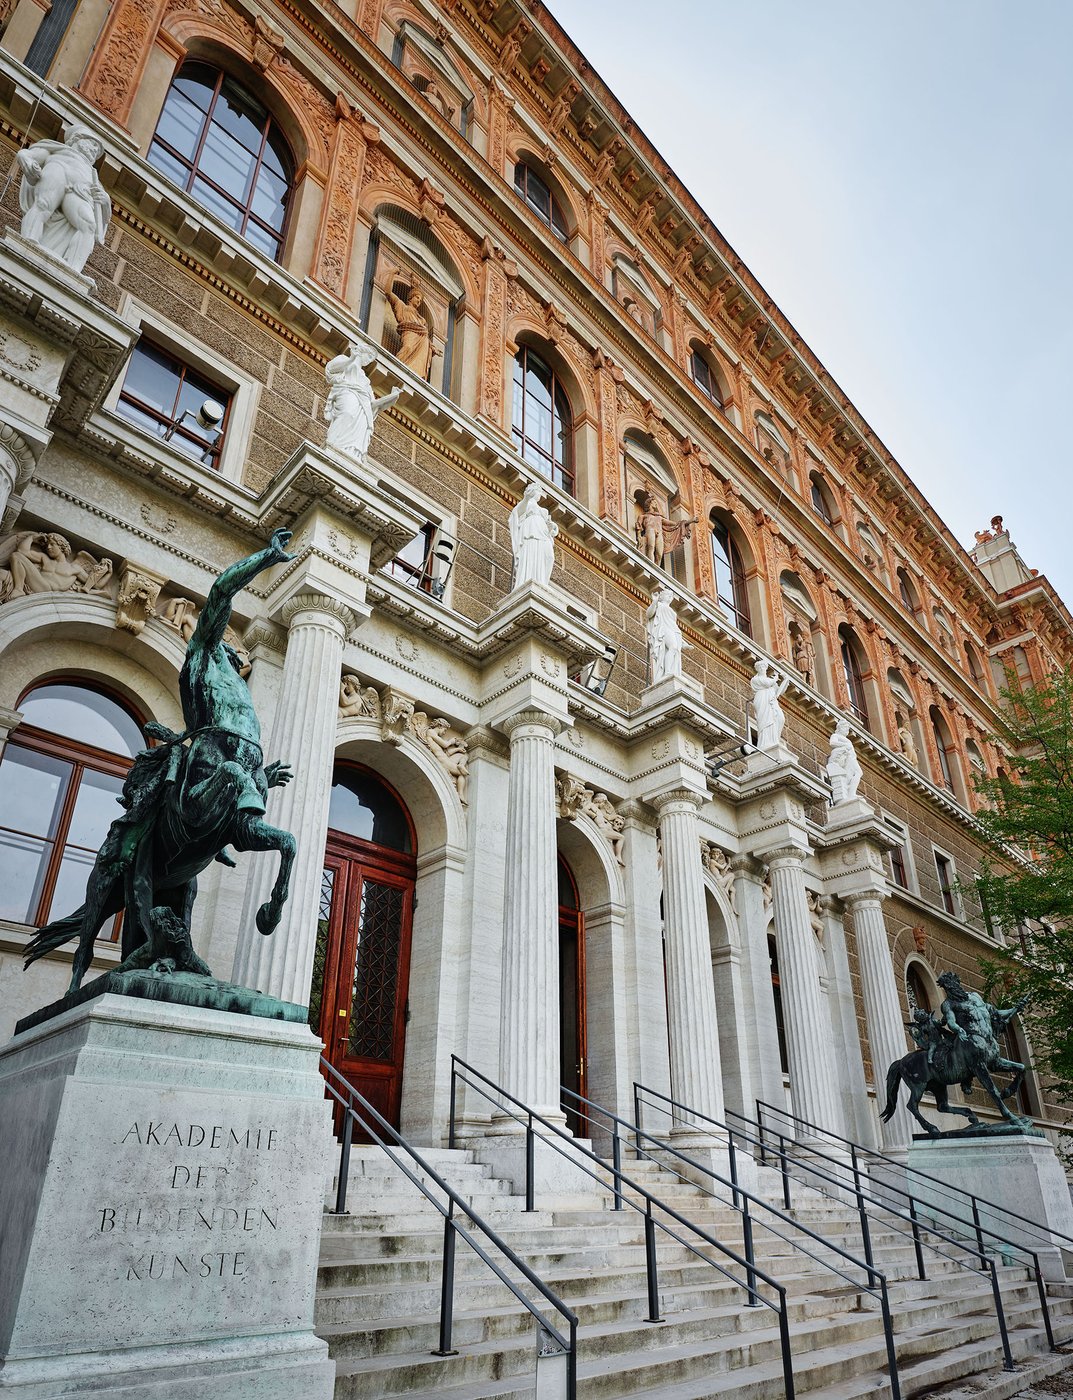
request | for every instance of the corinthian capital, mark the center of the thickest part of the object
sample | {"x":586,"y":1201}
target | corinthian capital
{"x":323,"y":606}
{"x":684,"y":797}
{"x":538,"y":718}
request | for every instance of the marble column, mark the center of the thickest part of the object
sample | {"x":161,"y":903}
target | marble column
{"x":807,"y":1022}
{"x":529,"y":1016}
{"x":696,"y":1076}
{"x":303,"y":735}
{"x":882,"y":1005}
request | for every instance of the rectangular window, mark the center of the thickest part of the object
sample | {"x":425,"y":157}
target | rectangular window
{"x":175,"y":403}
{"x":901,"y":861}
{"x":944,"y":868}
{"x":425,"y":563}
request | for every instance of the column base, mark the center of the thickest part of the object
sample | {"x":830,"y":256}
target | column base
{"x":558,"y":1172}
{"x":707,"y":1156}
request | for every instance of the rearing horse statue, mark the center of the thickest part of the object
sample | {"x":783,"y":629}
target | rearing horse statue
{"x":957,"y":1047}
{"x":185,"y":800}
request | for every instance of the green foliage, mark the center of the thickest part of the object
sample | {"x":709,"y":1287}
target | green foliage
{"x":1030,"y":810}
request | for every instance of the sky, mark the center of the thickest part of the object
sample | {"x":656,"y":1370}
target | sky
{"x":898,"y":175}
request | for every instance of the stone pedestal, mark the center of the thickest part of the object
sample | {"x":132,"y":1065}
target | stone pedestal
{"x":161,"y":1189}
{"x":1017,"y":1172}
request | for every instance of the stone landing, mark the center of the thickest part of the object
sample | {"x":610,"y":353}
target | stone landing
{"x":161,"y":1186}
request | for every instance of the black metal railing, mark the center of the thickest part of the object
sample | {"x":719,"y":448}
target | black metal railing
{"x":836,"y":1178}
{"x":586,"y":1162}
{"x":358,"y":1110}
{"x":747,"y":1205}
{"x":970,"y":1201}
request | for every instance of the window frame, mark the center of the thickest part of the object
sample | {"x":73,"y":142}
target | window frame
{"x":854,"y":678}
{"x":819,"y":499}
{"x":564,"y":473}
{"x":194,"y":172}
{"x":81,"y":756}
{"x":558,"y":226}
{"x":946,"y":879}
{"x":944,"y":750}
{"x":908,"y":864}
{"x":738,"y":603}
{"x":213,"y":450}
{"x":711,"y":390}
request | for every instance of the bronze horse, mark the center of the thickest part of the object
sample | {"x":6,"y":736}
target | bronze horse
{"x":185,"y":800}
{"x":958,"y":1047}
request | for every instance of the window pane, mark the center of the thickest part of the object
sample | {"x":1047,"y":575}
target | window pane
{"x":270,"y":198}
{"x":268,"y":243}
{"x":360,"y":806}
{"x":168,"y":166}
{"x":85,"y":715}
{"x":197,"y":82}
{"x":23,"y":860}
{"x":240,"y":116}
{"x":32,"y":789}
{"x":181,"y":123}
{"x":227,"y":164}
{"x":70,"y":890}
{"x":95,"y":809}
{"x":217,"y":204}
{"x":152,"y":377}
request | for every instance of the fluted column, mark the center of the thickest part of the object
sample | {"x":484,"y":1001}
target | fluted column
{"x":696,"y":1077}
{"x":882,"y":1006}
{"x":303,"y":731}
{"x":808,"y":1026}
{"x":529,"y":1043}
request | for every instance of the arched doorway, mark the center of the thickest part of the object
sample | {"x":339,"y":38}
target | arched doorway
{"x":361,"y":970}
{"x":571,"y":998}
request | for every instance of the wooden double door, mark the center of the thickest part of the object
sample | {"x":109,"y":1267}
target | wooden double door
{"x":362,"y":970}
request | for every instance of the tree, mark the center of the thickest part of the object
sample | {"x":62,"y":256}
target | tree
{"x":1030,"y":813}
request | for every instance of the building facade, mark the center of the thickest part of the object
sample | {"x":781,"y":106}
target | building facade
{"x":512,"y":845}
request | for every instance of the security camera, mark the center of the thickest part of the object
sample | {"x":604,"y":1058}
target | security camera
{"x":210,"y":414}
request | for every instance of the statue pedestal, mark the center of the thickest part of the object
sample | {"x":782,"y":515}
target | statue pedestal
{"x":1017,"y":1172}
{"x":161,"y":1190}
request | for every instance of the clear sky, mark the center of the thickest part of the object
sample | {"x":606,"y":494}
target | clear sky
{"x":898,"y":174}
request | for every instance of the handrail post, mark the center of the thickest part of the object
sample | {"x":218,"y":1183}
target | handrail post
{"x":344,"y":1164}
{"x":862,"y":1210}
{"x":1007,"y":1363}
{"x":760,"y":1125}
{"x":1041,"y":1289}
{"x":733,"y":1159}
{"x":616,"y":1165}
{"x":451,"y":1136}
{"x":637,"y":1117}
{"x":650,"y":1265}
{"x":571,"y":1363}
{"x":921,"y":1271}
{"x":447,"y":1286}
{"x":784,"y":1340}
{"x":530,"y":1154}
{"x":976,"y":1222}
{"x":750,"y":1254}
{"x":785,"y":1173}
{"x":888,"y":1332}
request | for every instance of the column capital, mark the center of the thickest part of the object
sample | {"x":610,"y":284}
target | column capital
{"x":875,"y":894}
{"x":785,"y":856}
{"x":323,"y":606}
{"x":680,"y":799}
{"x":537,"y":719}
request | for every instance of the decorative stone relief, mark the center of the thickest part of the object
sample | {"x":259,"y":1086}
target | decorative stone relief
{"x":136,"y":600}
{"x":815,"y":913}
{"x":512,"y":667}
{"x":568,"y":794}
{"x":182,"y":614}
{"x":572,"y":797}
{"x":397,"y":715}
{"x":717,"y":862}
{"x":406,"y":647}
{"x":769,"y":897}
{"x":34,"y":561}
{"x":447,"y":747}
{"x":920,"y":939}
{"x":357,"y":700}
{"x":158,"y":518}
{"x":65,"y":209}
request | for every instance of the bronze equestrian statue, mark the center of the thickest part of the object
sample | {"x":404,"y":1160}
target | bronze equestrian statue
{"x":185,"y":800}
{"x":958,"y":1046}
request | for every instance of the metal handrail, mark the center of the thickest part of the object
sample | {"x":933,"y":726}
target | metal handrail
{"x":948,"y":1187}
{"x":813,"y":1172}
{"x":460,"y":1072}
{"x":451,"y":1227}
{"x":877,"y":1280}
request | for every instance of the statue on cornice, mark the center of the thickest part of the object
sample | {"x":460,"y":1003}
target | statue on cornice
{"x":843,"y":767}
{"x":65,"y":209}
{"x":767,"y":690}
{"x":351,"y":407}
{"x":532,"y":536}
{"x":665,"y":642}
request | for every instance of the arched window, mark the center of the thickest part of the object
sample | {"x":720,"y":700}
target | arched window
{"x":730,"y":575}
{"x":541,"y":421}
{"x":972,"y":660}
{"x":917,"y":988}
{"x":908,"y":593}
{"x":820,"y":496}
{"x":704,"y":377}
{"x":853,"y":671}
{"x":944,"y":746}
{"x":60,"y":776}
{"x":217,"y":142}
{"x":533,"y":188}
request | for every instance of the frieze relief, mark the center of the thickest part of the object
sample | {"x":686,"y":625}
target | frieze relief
{"x":398,"y":716}
{"x":40,"y":561}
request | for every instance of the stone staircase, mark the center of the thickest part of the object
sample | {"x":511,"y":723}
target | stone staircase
{"x":379,"y":1294}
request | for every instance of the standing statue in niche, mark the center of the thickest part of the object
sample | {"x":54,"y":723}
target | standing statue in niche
{"x":843,"y":767}
{"x":532,"y":536}
{"x":957,"y":1046}
{"x":415,"y":339}
{"x":65,"y":209}
{"x":907,"y":742}
{"x":655,"y":536}
{"x":186,"y":800}
{"x":767,"y":690}
{"x":804,"y":655}
{"x":665,"y":641}
{"x":351,"y":408}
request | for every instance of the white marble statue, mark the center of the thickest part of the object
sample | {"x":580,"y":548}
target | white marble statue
{"x":65,"y":209}
{"x":665,"y":641}
{"x":351,"y":407}
{"x":767,"y":690}
{"x":532,"y":535}
{"x":843,"y":766}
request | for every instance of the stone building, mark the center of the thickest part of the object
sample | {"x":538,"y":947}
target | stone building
{"x":513,"y":844}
